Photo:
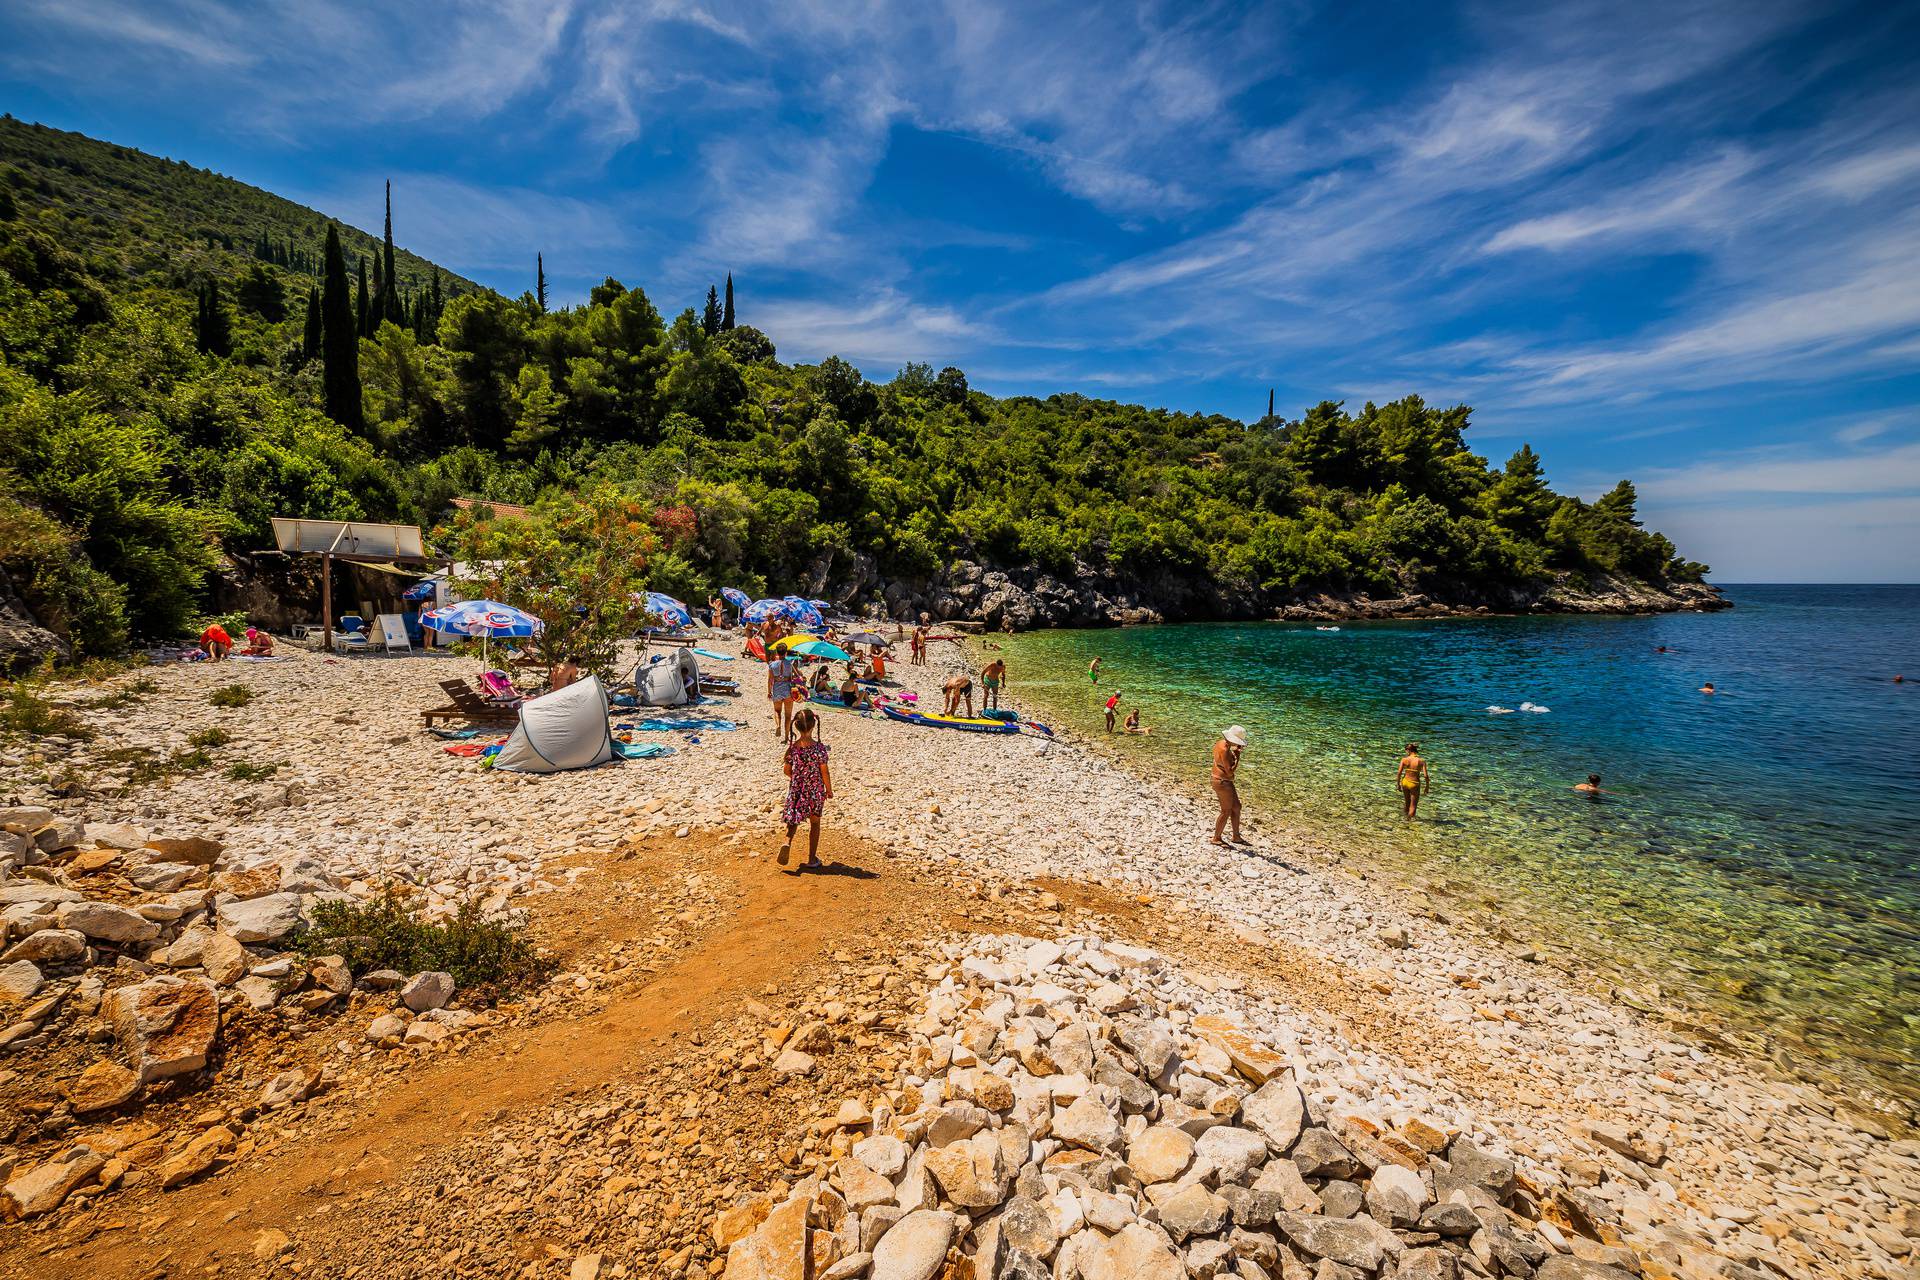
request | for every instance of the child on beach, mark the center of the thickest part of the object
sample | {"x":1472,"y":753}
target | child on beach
{"x":1093,"y":671}
{"x":1226,"y":789}
{"x":809,"y":787}
{"x":783,"y":687}
{"x":216,"y":641}
{"x":1113,"y":705}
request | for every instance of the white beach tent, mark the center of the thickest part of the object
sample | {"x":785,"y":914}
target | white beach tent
{"x":665,"y":680}
{"x":565,"y":729}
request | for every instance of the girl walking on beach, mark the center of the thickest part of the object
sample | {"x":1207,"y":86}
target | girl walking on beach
{"x":809,"y":787}
{"x":783,"y":689}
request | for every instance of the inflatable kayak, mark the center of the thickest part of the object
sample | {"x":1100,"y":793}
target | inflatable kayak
{"x":938,"y":721}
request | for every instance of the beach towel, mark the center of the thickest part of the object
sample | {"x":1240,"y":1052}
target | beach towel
{"x":717,"y":657}
{"x":640,"y":750}
{"x":695,"y":724}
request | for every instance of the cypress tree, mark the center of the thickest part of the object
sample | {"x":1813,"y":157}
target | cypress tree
{"x":310,"y":341}
{"x":211,"y":332}
{"x":710,"y":321}
{"x":361,"y":315}
{"x":436,"y":305}
{"x":540,"y":282}
{"x":392,"y":310}
{"x":1269,"y":402}
{"x":726,"y":313}
{"x":340,"y":341}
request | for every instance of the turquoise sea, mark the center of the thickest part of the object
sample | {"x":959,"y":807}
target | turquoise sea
{"x":1756,"y":856}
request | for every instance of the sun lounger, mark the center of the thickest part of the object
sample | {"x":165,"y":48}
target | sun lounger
{"x":466,"y":703}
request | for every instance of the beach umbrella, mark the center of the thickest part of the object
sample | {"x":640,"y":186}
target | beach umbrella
{"x":821,"y":649}
{"x":821,"y":604}
{"x":803,"y":612}
{"x":866,"y":637}
{"x":671,"y":611}
{"x":762,"y":610}
{"x":488,"y":619}
{"x":735,"y":597}
{"x":787,"y":642}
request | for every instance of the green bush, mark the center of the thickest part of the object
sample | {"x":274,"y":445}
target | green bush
{"x":27,"y":710}
{"x":244,"y":772}
{"x":388,"y":933}
{"x":231,"y":695}
{"x":214,"y":737}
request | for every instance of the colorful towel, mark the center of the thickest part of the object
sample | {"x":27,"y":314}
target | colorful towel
{"x":641,"y":750}
{"x":717,"y":657}
{"x":695,"y":724}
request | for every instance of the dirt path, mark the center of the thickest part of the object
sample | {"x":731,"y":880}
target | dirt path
{"x":779,"y":927}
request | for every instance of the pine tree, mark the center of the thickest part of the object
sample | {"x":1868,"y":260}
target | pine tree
{"x":540,"y":282}
{"x":360,"y":312}
{"x":710,"y":320}
{"x":340,"y":342}
{"x":211,"y":331}
{"x":392,"y":310}
{"x":726,"y":316}
{"x":310,"y":341}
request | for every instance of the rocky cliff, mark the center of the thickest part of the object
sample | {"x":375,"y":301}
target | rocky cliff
{"x":1031,"y":597}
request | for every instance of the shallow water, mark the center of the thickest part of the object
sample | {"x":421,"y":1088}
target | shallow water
{"x":1755,"y":853}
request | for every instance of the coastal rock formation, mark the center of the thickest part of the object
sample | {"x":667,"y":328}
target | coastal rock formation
{"x":1032,"y":597}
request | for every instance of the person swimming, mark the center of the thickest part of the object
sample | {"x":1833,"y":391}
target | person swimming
{"x":1412,"y":779}
{"x":1707,"y":687}
{"x":1591,"y":787}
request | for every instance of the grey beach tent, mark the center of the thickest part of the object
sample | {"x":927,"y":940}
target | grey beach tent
{"x":565,"y":729}
{"x":665,"y":680}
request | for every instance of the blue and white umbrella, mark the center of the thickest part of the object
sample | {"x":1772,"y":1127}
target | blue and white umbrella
{"x":735,"y":597}
{"x":763,"y":610}
{"x":671,"y":611}
{"x":803,"y":612}
{"x":488,"y":619}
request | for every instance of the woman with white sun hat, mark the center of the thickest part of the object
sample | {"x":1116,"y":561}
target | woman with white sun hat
{"x":1226,"y":763}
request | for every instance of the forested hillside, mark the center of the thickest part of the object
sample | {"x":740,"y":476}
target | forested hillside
{"x":183,"y":357}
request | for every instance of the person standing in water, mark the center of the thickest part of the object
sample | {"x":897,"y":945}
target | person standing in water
{"x":1226,"y":765}
{"x":1412,"y":779}
{"x":809,"y":787}
{"x":1093,"y":671}
{"x":1113,"y":705}
{"x":993,"y":676}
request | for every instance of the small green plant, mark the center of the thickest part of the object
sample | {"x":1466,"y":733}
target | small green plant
{"x":244,"y":772}
{"x":214,"y":737}
{"x":231,"y":695}
{"x":189,"y":761}
{"x":388,"y":933}
{"x":27,"y":710}
{"x":126,"y":695}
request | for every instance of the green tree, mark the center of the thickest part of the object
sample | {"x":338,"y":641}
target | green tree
{"x":914,"y":380}
{"x":390,"y":307}
{"x":310,"y":337}
{"x":540,"y":282}
{"x":212,"y":329}
{"x":952,"y":386}
{"x":1518,"y":501}
{"x":712,"y":317}
{"x":363,"y":314}
{"x":259,"y":291}
{"x":726,"y":316}
{"x":341,"y":339}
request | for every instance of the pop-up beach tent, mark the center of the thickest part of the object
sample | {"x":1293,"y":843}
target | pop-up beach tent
{"x":671,"y":679}
{"x":565,"y":729}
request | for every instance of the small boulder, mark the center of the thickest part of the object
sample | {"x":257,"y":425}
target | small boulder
{"x":48,"y":946}
{"x":19,"y":980}
{"x":915,"y":1248}
{"x":101,"y":1087}
{"x":198,"y":850}
{"x":1277,"y":1111}
{"x":1160,"y":1154}
{"x":223,"y":959}
{"x":164,"y":1026}
{"x":1136,"y":1253}
{"x":426,"y":991}
{"x":45,"y":1187}
{"x":261,"y":919}
{"x":106,"y":922}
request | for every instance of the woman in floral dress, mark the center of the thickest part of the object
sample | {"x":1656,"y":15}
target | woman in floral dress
{"x":809,"y":787}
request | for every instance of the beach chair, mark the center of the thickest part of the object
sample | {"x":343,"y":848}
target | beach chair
{"x":393,"y":630}
{"x":467,"y":703}
{"x":498,"y":688}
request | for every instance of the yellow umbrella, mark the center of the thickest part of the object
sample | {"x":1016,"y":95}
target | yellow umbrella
{"x":784,"y":641}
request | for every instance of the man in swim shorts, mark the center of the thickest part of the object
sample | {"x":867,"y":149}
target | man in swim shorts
{"x":1412,"y":778}
{"x":1226,"y":764}
{"x":1093,"y":671}
{"x":993,"y":676}
{"x":956,"y":688}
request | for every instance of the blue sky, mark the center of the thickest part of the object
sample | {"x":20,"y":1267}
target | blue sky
{"x":1678,"y":242}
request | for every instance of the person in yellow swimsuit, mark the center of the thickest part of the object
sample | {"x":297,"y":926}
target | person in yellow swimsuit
{"x":1412,"y":778}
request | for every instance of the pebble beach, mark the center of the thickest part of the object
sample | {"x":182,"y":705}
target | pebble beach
{"x":1374,"y":1001}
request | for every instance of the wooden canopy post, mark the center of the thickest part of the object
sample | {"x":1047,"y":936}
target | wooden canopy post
{"x":326,"y":601}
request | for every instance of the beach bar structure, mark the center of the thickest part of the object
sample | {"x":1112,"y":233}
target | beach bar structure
{"x":356,"y":541}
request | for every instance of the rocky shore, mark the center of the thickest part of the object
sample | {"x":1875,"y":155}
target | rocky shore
{"x":1031,"y":597}
{"x":1428,"y":1060}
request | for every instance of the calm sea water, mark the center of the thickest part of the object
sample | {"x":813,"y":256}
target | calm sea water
{"x":1757,"y":853}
